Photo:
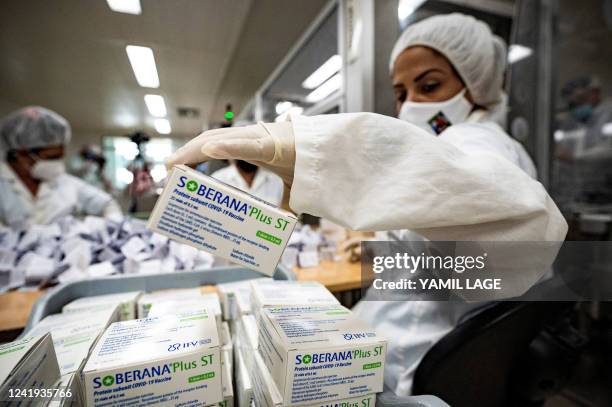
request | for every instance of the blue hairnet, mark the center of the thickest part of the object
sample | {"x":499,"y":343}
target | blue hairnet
{"x":478,"y":56}
{"x":33,"y":127}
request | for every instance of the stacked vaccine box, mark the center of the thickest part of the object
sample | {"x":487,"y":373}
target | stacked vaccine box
{"x":310,"y":350}
{"x":28,"y":363}
{"x":187,"y":302}
{"x":236,"y":298}
{"x":74,"y":335}
{"x":160,"y":360}
{"x":126,"y":302}
{"x":146,"y":301}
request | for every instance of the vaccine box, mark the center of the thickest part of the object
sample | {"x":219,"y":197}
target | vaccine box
{"x":265,"y":392}
{"x":277,"y":293}
{"x":226,"y":380}
{"x":126,"y":301}
{"x":210,"y":215}
{"x":320,"y":353}
{"x":235,"y":298}
{"x":171,"y":360}
{"x":208,"y":301}
{"x":146,"y":301}
{"x":74,"y":334}
{"x":248,"y":336}
{"x":244,"y":388}
{"x":226,"y":343}
{"x":28,"y":363}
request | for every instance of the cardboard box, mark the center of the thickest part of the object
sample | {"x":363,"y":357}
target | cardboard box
{"x":126,"y":301}
{"x":166,"y":360}
{"x":210,"y":215}
{"x":317,"y":354}
{"x":29,"y":363}
{"x":278,"y":293}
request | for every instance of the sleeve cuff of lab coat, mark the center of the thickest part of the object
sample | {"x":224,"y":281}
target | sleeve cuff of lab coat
{"x":308,"y":160}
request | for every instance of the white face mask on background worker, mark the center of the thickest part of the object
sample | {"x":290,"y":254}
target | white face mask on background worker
{"x":47,"y":169}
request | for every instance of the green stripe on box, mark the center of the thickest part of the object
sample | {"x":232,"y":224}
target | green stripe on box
{"x":203,"y":376}
{"x":372,"y":365}
{"x":12,"y":350}
{"x":194,"y":318}
{"x":269,"y":237}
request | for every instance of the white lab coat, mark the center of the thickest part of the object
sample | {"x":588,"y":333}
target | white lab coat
{"x":66,"y":195}
{"x":472,"y":182}
{"x":266,"y":185}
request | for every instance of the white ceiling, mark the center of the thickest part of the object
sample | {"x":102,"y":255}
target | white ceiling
{"x":69,"y":55}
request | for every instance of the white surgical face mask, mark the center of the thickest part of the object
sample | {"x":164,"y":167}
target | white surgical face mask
{"x":436,"y":117}
{"x":47,"y":170}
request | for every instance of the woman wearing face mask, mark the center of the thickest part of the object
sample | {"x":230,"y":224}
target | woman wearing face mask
{"x":34,"y":186}
{"x":445,"y":171}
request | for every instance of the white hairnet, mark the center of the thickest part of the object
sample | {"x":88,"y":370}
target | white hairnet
{"x":478,"y":56}
{"x":33,"y":127}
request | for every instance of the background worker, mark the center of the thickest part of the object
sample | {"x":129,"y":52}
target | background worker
{"x":250,"y":178}
{"x":34,"y":185}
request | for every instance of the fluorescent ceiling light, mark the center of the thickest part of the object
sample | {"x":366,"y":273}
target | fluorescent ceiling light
{"x":323,"y":91}
{"x":125,"y":6}
{"x":329,"y":67}
{"x":156,"y":105}
{"x":516,"y":52}
{"x":295,"y":110}
{"x":406,"y":7}
{"x":162,"y":126}
{"x":282,"y":107}
{"x":143,"y":65}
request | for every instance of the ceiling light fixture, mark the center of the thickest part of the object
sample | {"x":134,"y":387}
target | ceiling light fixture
{"x":326,"y":89}
{"x":125,"y":6}
{"x":162,"y":126}
{"x":143,"y":65}
{"x":322,"y":73}
{"x":156,"y":105}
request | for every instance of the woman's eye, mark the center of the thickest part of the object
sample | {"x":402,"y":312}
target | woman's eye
{"x":430,"y":87}
{"x":400,"y":96}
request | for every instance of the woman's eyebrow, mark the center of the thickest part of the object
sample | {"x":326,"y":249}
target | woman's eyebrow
{"x":421,"y":75}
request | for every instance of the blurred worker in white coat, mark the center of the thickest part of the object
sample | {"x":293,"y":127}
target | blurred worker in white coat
{"x":34,"y":186}
{"x":446,"y":170}
{"x":252,"y":179}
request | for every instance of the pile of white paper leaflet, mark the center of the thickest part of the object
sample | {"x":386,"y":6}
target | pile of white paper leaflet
{"x":258,"y":342}
{"x":73,"y":249}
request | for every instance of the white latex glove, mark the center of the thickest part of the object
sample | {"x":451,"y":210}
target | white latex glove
{"x":268,"y":145}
